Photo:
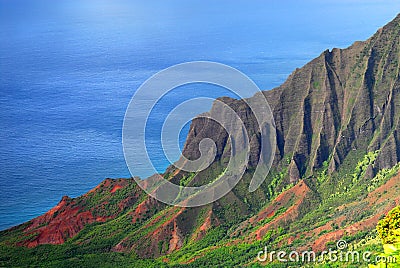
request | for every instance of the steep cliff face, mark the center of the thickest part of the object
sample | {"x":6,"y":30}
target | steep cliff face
{"x":335,"y":172}
{"x":344,"y":100}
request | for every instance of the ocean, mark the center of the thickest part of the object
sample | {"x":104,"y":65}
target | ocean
{"x":69,"y":68}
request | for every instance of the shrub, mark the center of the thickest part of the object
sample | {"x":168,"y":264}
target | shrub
{"x":389,"y":227}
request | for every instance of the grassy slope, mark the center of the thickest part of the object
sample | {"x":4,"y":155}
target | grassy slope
{"x":356,"y":202}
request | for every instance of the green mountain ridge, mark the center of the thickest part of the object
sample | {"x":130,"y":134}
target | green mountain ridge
{"x":335,"y":174}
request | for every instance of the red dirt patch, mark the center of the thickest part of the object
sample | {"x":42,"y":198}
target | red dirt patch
{"x":209,"y":222}
{"x":296,"y":195}
{"x":68,"y":217}
{"x":115,"y":188}
{"x":61,"y":222}
{"x":381,"y":195}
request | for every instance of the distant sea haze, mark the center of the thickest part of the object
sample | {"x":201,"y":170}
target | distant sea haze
{"x":68,"y":70}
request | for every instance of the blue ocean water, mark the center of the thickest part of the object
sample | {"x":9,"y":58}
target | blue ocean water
{"x":68,"y":69}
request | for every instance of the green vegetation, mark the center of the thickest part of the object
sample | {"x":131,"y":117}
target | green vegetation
{"x":322,"y":175}
{"x":186,"y":179}
{"x":67,"y":256}
{"x":382,"y":176}
{"x":93,"y":245}
{"x":389,"y":232}
{"x":368,"y":160}
{"x":389,"y":227}
{"x":316,"y":85}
